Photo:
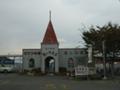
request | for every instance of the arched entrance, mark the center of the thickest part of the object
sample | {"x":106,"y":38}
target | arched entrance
{"x":49,"y":65}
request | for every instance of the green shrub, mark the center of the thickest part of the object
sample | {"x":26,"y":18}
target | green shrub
{"x":62,"y":71}
{"x":83,"y":77}
{"x":23,"y":72}
{"x":36,"y":70}
{"x":95,"y":77}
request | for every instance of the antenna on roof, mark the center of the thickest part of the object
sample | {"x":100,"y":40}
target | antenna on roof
{"x":50,"y":14}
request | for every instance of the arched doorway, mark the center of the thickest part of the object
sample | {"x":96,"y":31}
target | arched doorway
{"x":49,"y":65}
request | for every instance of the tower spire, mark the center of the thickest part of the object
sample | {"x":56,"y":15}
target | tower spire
{"x":50,"y":15}
{"x":50,"y":36}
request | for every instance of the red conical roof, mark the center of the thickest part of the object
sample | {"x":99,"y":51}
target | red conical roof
{"x":50,"y":36}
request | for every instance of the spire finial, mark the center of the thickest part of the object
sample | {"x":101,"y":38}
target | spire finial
{"x":50,"y":14}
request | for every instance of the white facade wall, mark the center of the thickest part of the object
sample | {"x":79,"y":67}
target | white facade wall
{"x":31,"y":54}
{"x":76,"y":54}
{"x":49,"y":50}
{"x":61,"y":56}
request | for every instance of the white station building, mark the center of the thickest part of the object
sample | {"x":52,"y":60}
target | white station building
{"x":51,"y":58}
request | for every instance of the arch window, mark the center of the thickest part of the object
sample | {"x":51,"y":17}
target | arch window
{"x":31,"y":63}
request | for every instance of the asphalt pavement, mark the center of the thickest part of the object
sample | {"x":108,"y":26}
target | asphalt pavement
{"x":23,"y":82}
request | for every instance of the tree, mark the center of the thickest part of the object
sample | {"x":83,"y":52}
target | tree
{"x":109,"y":33}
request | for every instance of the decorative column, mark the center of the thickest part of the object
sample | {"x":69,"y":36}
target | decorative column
{"x":56,"y":65}
{"x":43,"y":66}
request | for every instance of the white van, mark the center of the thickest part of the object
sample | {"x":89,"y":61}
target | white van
{"x":6,"y":68}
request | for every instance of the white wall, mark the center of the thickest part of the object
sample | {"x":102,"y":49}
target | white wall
{"x":61,"y":59}
{"x":30,"y":53}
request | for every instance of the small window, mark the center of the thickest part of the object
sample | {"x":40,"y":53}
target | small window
{"x":38,"y":53}
{"x":65,"y":52}
{"x":49,"y":52}
{"x":53,"y":52}
{"x":81,"y":52}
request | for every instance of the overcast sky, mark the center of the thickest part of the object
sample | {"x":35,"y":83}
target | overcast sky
{"x":24,"y":22}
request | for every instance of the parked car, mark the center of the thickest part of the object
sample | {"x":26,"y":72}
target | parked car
{"x":6,"y":69}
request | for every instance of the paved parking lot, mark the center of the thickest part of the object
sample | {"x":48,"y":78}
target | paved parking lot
{"x":23,"y":82}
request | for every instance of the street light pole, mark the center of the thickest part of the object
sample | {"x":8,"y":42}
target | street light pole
{"x":104,"y":58}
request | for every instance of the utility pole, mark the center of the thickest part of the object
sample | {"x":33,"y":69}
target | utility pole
{"x":104,"y":59}
{"x":90,"y":53}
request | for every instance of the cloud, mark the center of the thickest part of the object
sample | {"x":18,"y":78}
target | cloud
{"x":23,"y":22}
